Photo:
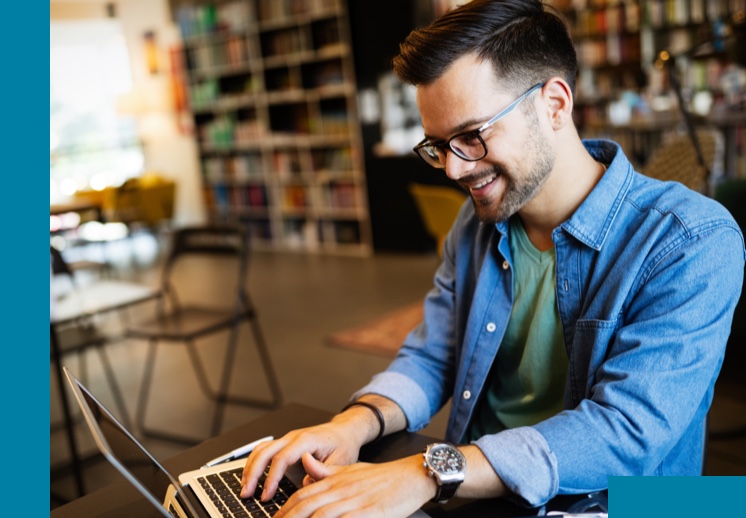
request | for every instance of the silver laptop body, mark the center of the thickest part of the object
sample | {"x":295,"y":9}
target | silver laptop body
{"x":143,"y":471}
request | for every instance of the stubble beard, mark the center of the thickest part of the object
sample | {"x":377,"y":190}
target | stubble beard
{"x":519,"y":189}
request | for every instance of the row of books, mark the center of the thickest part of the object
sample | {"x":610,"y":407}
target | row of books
{"x":314,"y":75}
{"x":671,"y":13}
{"x":612,"y":50}
{"x":224,"y":199}
{"x":302,"y":233}
{"x":235,"y":170}
{"x":334,"y":195}
{"x":202,"y":20}
{"x":235,"y":51}
{"x":250,"y":166}
{"x":628,"y":16}
{"x":340,"y":195}
{"x":225,"y":131}
{"x":296,"y":231}
{"x":284,"y":42}
{"x":615,"y":19}
{"x":272,"y":10}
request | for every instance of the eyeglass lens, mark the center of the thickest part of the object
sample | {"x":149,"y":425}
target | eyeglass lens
{"x":468,"y":146}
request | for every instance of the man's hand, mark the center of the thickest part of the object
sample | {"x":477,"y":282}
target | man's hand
{"x":333,"y":443}
{"x":336,"y":443}
{"x":389,"y":489}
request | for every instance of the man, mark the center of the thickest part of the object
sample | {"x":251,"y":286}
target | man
{"x":579,"y":318}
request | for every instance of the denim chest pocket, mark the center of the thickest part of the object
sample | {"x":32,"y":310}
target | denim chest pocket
{"x":589,"y":349}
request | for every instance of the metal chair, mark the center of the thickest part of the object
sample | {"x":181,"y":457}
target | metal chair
{"x":185,"y":323}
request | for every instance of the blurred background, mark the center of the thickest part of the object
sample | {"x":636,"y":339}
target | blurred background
{"x":282,"y":116}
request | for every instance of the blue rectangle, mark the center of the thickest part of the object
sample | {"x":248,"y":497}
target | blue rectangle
{"x":656,"y":497}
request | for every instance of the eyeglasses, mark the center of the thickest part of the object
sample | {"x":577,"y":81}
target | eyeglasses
{"x":467,"y":145}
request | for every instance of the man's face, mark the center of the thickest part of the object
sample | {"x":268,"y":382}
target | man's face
{"x":519,"y":155}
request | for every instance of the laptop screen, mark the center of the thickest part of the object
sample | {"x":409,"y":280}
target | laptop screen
{"x":121,"y":448}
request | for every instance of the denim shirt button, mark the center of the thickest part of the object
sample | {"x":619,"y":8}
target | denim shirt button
{"x":491,"y":327}
{"x":467,"y":394}
{"x":506,"y":265}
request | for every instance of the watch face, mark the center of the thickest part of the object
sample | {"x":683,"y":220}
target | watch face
{"x":445,"y":459}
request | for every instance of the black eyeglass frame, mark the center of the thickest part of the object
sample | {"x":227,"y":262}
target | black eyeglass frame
{"x":444,"y":146}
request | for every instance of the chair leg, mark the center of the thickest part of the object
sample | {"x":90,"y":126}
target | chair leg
{"x":222,"y":397}
{"x":225,"y":379}
{"x":145,"y":386}
{"x":204,"y":383}
{"x":118,"y":398}
{"x":143,"y":401}
{"x":274,"y":385}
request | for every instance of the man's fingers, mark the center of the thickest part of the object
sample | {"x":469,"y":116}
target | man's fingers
{"x":258,"y":460}
{"x":287,"y":456}
{"x":316,"y":469}
{"x":255,"y":465}
{"x":311,"y":498}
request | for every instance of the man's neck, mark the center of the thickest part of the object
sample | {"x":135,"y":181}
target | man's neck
{"x":573,"y":177}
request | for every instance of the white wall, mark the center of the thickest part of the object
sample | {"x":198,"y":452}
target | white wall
{"x":168,"y":151}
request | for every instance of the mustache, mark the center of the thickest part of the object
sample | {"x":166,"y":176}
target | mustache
{"x":494,"y":170}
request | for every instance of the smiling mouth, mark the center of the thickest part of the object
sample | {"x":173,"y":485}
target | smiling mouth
{"x":481,"y":183}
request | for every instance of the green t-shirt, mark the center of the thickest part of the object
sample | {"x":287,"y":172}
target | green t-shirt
{"x":526,"y":383}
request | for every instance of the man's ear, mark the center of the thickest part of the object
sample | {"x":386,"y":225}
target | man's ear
{"x":559,"y":99}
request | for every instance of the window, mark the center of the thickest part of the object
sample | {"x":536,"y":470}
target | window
{"x":91,"y":146}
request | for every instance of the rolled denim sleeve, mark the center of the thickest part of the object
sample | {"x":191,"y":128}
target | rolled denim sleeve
{"x":524,"y":462}
{"x":422,"y":376}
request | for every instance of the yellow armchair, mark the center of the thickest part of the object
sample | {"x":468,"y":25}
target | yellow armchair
{"x":438,"y":207}
{"x":147,"y":200}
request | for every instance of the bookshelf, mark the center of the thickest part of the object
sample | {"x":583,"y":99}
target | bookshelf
{"x":272,"y":92}
{"x":621,"y":94}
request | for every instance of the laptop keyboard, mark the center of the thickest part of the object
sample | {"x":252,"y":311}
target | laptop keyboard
{"x":224,"y":490}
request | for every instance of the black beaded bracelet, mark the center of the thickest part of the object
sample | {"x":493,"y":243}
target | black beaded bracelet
{"x":375,"y":410}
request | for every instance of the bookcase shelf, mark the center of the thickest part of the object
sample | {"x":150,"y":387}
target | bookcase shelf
{"x":272,"y":92}
{"x":618,"y":42}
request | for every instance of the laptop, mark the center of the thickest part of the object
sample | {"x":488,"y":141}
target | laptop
{"x":202,"y":493}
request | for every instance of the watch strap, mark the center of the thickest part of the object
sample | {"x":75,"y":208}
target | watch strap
{"x":446,"y":491}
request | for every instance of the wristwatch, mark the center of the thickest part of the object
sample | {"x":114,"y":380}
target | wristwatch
{"x":447,"y":465}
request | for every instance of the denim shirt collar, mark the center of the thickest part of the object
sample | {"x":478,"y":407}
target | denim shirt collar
{"x":591,"y":222}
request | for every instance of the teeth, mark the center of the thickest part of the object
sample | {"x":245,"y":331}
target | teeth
{"x":482,"y":184}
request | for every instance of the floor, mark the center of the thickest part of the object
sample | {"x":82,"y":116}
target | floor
{"x":301,"y":300}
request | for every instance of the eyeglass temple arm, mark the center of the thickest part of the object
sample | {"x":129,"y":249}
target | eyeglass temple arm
{"x":509,"y":108}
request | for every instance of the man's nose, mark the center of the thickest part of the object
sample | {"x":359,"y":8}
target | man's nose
{"x":457,"y":167}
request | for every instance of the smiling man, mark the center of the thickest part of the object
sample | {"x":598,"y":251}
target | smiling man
{"x":578,"y":321}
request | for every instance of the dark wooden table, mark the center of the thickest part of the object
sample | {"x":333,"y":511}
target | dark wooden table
{"x":121,"y":500}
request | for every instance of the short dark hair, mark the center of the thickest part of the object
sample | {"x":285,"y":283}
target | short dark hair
{"x":526,"y":43}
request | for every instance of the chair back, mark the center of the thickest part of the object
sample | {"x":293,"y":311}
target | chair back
{"x":230,"y":241}
{"x":59,"y":265}
{"x":438,"y":206}
{"x":676,"y":160}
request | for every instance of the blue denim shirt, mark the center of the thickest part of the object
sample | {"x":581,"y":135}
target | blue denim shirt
{"x":648,"y":276}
